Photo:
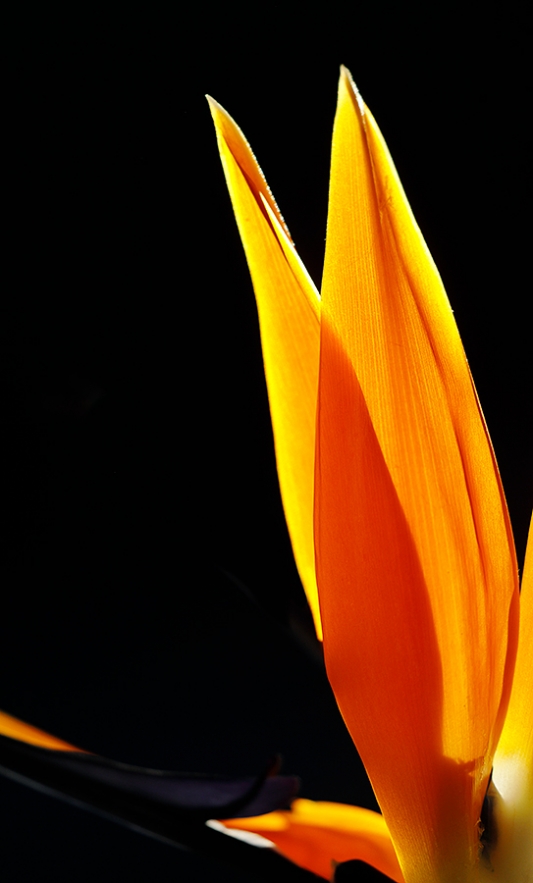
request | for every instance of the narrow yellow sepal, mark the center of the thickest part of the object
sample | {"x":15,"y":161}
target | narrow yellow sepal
{"x":317,"y":835}
{"x":512,"y":855}
{"x":289,"y":307}
{"x":17,"y":729}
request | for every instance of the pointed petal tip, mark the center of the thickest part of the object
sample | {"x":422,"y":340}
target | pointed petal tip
{"x":347,"y":79}
{"x":20,"y":731}
{"x":225,"y":125}
{"x":215,"y":108}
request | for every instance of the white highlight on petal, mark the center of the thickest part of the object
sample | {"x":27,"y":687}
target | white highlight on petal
{"x":512,"y":855}
{"x":247,"y":836}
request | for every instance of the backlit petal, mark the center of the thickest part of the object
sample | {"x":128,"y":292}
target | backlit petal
{"x":415,"y":560}
{"x":513,"y":763}
{"x":288,"y":306}
{"x":17,"y":729}
{"x":318,"y":835}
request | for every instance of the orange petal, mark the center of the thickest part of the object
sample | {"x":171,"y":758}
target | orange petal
{"x":513,"y":762}
{"x":17,"y":729}
{"x":415,"y":559}
{"x":288,"y":306}
{"x":319,"y":835}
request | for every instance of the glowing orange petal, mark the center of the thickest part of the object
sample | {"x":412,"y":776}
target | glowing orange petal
{"x":17,"y":729}
{"x":288,"y":306}
{"x":318,"y":835}
{"x":415,"y":560}
{"x":513,"y":762}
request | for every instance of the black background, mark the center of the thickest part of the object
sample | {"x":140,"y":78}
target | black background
{"x":138,"y":478}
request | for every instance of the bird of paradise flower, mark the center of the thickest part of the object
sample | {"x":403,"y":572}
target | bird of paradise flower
{"x":398,"y":523}
{"x":402,"y":540}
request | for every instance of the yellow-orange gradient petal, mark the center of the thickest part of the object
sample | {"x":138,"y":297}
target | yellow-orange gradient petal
{"x":288,"y":306}
{"x":318,"y":835}
{"x":513,"y":762}
{"x":17,"y":729}
{"x":415,"y":558}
